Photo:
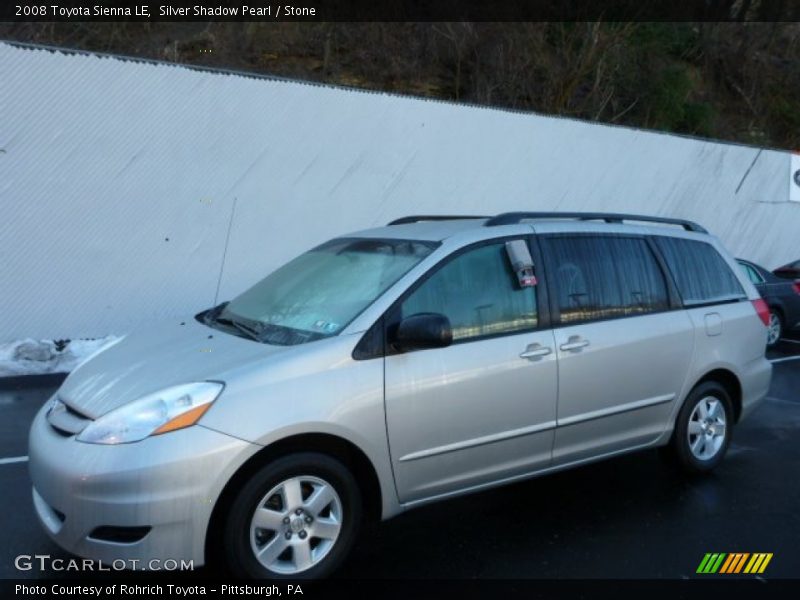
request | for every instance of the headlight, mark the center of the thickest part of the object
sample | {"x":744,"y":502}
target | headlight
{"x":170,"y":409}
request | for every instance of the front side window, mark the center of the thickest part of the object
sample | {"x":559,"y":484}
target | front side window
{"x":480,"y":294}
{"x":701,"y":274}
{"x":319,"y":293}
{"x":603,"y":277}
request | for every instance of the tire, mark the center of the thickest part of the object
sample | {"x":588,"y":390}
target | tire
{"x":775,"y":332}
{"x":321,"y":501}
{"x":703,"y":428}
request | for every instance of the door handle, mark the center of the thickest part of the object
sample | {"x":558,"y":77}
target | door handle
{"x":535,"y":351}
{"x":574,"y":343}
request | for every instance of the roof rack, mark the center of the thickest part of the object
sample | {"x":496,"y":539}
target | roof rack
{"x":510,"y":218}
{"x":418,"y":218}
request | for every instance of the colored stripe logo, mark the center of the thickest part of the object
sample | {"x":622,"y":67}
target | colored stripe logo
{"x":734,"y":563}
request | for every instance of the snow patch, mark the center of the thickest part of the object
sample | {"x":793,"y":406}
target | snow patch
{"x":38,"y":357}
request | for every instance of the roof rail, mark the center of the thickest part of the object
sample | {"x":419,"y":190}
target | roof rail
{"x":418,"y":218}
{"x":510,"y":218}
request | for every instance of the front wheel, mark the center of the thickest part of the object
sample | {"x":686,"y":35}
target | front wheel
{"x":295,"y":518}
{"x":703,"y":429}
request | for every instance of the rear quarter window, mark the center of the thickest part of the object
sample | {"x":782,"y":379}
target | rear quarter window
{"x":701,"y":275}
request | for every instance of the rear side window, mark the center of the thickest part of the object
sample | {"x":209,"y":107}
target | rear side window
{"x":603,"y":277}
{"x":701,"y":274}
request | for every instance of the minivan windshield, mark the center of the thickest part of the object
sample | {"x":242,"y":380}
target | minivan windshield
{"x":319,"y":293}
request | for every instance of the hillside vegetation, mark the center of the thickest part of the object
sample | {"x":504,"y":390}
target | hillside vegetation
{"x":732,"y":81}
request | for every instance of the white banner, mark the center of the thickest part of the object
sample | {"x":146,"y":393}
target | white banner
{"x":794,"y":181}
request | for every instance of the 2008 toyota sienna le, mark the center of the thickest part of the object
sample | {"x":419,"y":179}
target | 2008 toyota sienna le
{"x":393,"y":367}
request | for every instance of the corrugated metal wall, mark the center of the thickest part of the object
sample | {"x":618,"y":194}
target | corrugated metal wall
{"x":119,"y":180}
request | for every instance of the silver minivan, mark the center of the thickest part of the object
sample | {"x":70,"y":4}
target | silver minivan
{"x":394,"y":367}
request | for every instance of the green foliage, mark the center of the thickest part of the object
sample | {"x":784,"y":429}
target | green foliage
{"x":667,"y":97}
{"x":676,"y":40}
{"x":698,"y":118}
{"x":670,"y":105}
{"x":784,"y":113}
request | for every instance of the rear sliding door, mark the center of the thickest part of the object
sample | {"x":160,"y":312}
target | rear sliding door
{"x":624,"y":346}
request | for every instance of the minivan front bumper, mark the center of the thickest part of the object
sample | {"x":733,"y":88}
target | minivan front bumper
{"x":148,"y":501}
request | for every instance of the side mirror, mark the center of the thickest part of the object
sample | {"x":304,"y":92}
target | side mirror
{"x":423,"y":331}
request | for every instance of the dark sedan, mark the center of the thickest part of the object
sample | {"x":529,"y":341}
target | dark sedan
{"x":790,"y":271}
{"x":781,"y":295}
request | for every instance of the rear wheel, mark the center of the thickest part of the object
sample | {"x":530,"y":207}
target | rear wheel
{"x":775,"y":328}
{"x":703,"y":429}
{"x":295,"y":518}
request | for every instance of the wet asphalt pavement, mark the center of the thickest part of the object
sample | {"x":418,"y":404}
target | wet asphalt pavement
{"x":629,"y":517}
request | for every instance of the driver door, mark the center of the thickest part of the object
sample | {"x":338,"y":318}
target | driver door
{"x":484,"y":408}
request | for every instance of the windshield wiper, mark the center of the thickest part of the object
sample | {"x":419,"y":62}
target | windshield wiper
{"x":248,"y":331}
{"x":212,"y":317}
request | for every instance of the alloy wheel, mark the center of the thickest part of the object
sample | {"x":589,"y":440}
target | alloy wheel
{"x":707,"y":428}
{"x":296,"y":524}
